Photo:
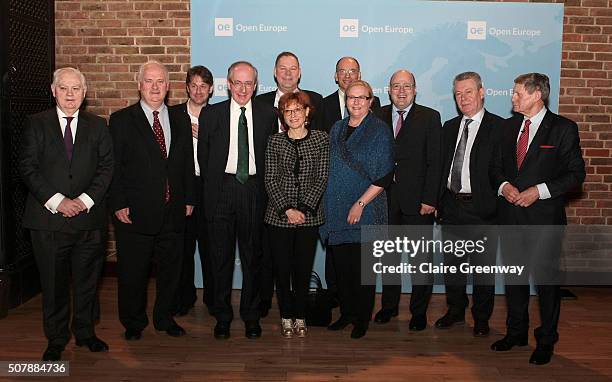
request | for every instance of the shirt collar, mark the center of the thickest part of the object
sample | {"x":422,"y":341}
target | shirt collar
{"x":407,"y":110}
{"x":537,"y":119}
{"x":61,"y":114}
{"x":148,"y":110}
{"x":235,"y":107}
{"x":476,"y":117}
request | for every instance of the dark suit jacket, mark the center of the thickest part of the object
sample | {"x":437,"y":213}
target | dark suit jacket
{"x":482,"y":155}
{"x":46,"y":171}
{"x":418,"y":162}
{"x":331,"y":110}
{"x":554,"y":157}
{"x":315,"y":100}
{"x":141,"y":170}
{"x":213,"y":149}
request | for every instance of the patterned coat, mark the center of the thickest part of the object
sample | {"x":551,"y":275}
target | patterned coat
{"x":296,"y":177}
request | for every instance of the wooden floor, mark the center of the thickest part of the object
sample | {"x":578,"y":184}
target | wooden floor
{"x":388,"y":352}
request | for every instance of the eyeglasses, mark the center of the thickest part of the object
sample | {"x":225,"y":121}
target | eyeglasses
{"x":290,"y":112}
{"x":247,"y":84}
{"x":350,"y":72}
{"x":398,"y":87}
{"x":358,"y":99}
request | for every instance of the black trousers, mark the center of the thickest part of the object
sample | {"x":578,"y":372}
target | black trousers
{"x":59,"y":254}
{"x":460,"y":221}
{"x":356,"y":298}
{"x":538,"y":247}
{"x":422,"y":288}
{"x":135,"y":253}
{"x":195,"y":232}
{"x":293,"y":251}
{"x":237,"y":215}
{"x":267,"y":270}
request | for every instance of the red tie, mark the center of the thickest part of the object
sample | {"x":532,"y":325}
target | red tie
{"x":158,"y":132}
{"x":400,"y":121}
{"x":521,"y":146}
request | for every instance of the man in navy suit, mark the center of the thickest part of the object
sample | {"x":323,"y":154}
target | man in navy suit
{"x":151,"y":194}
{"x":231,"y":149}
{"x":66,"y":162}
{"x":539,"y":162}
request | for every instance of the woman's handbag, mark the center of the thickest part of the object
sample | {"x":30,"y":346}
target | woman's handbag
{"x":318,"y":303}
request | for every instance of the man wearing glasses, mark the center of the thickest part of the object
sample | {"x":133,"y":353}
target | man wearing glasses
{"x":334,"y":106}
{"x":231,"y":149}
{"x":413,"y":194}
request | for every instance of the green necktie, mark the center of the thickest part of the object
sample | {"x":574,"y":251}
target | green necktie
{"x":242,"y":169}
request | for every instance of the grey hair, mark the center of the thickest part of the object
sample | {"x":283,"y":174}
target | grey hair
{"x":58,"y":72}
{"x":468,"y":76}
{"x":235,"y":64}
{"x":151,"y":62}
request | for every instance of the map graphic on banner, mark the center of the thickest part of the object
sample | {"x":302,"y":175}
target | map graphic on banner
{"x":435,"y":40}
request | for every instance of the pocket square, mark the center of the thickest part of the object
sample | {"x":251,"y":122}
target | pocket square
{"x":547,"y":147}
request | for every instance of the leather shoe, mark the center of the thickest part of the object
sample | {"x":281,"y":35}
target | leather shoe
{"x":133,"y":334}
{"x":541,"y":355}
{"x":418,"y":323}
{"x":175,"y":330}
{"x":384,"y":315}
{"x":94,"y":344}
{"x":481,"y":328}
{"x":53,"y":353}
{"x":222,"y":330}
{"x":252,"y":329}
{"x":340,"y":324}
{"x":359,"y":330}
{"x":508,"y":343}
{"x":449,"y":320}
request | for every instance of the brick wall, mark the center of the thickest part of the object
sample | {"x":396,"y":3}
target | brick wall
{"x":108,"y":40}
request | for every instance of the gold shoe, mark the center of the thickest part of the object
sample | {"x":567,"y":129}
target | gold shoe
{"x":299,"y":328}
{"x":286,"y":327}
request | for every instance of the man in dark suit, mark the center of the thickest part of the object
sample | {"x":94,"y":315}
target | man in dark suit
{"x":287,"y":74}
{"x":199,"y":85}
{"x":468,"y":200}
{"x":413,"y":195}
{"x":231,"y":149}
{"x":540,"y":160}
{"x":66,"y":162}
{"x":150,"y":195}
{"x":334,"y":105}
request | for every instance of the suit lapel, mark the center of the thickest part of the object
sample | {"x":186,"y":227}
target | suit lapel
{"x":515,"y":126}
{"x":143,"y":127}
{"x":55,"y":131}
{"x":408,"y":121}
{"x":538,"y":139}
{"x":224,"y":129}
{"x":258,"y":133}
{"x":174,"y":130}
{"x":450,"y":148}
{"x":336,"y":108}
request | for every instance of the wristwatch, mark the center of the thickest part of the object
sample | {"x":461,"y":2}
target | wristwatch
{"x":361,"y":204}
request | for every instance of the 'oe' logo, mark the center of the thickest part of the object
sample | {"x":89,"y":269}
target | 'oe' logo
{"x":477,"y":30}
{"x":349,"y":27}
{"x":224,"y":26}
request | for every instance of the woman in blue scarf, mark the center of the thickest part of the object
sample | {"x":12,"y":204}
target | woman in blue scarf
{"x":361,"y":166}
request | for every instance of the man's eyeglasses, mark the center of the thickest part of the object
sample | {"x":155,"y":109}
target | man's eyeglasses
{"x":398,"y":87}
{"x":247,"y":84}
{"x":350,"y":72}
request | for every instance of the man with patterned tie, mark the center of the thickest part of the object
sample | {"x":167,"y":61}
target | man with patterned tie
{"x":539,"y":162}
{"x":413,"y":194}
{"x":468,"y":200}
{"x":231,"y":148}
{"x":66,"y":162}
{"x":151,"y":194}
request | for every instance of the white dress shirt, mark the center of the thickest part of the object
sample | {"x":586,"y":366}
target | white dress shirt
{"x":395,"y":115}
{"x":536,"y":121}
{"x":232,"y":157}
{"x":56,"y":199}
{"x":466,"y":186}
{"x":341,"y":96}
{"x":194,"y":120}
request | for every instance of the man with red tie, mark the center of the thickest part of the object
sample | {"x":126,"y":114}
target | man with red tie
{"x":150,"y":195}
{"x":539,"y":162}
{"x":66,"y":161}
